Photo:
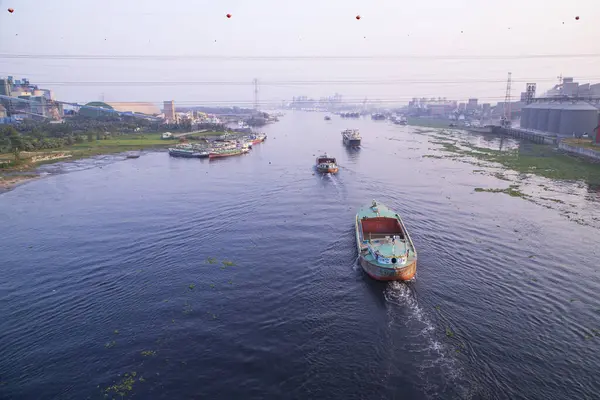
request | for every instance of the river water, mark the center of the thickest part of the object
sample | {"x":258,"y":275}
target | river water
{"x":173,"y":278}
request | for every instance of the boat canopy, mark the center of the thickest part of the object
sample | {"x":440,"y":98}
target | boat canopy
{"x":380,"y":227}
{"x":325,"y":159}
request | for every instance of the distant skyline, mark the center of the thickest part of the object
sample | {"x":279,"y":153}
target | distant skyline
{"x":511,"y":30}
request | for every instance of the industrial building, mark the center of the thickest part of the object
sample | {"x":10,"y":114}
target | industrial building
{"x":563,"y":117}
{"x":131,"y":107}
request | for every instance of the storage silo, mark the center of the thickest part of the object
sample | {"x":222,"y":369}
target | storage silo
{"x":542,"y":117}
{"x":554,"y":117}
{"x":533,"y":116}
{"x":525,"y":117}
{"x":579,"y":118}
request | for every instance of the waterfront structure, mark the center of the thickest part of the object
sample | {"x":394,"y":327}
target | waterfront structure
{"x":563,"y":117}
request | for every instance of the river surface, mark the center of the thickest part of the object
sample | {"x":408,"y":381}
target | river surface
{"x":170,"y":278}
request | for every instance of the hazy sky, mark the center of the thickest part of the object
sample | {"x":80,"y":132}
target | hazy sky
{"x":462,"y":30}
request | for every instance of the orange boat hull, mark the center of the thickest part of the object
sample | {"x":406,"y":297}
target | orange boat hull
{"x":328,"y":170}
{"x":376,"y":272}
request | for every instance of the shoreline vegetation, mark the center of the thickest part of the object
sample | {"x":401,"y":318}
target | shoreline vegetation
{"x":16,"y":171}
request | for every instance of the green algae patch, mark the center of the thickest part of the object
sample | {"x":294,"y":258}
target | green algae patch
{"x":110,"y":345}
{"x":228,"y":263}
{"x":124,"y":386}
{"x":512,"y":191}
{"x":530,"y":158}
{"x":148,"y":353}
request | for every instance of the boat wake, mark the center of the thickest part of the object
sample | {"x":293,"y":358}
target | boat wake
{"x":439,"y":371}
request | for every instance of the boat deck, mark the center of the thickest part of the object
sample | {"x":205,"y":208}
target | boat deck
{"x":369,"y":212}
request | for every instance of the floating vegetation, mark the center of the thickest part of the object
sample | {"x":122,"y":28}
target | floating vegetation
{"x":148,"y":353}
{"x":512,"y":190}
{"x":142,"y":379}
{"x":500,"y":176}
{"x":211,"y":260}
{"x":124,"y":386}
{"x":228,"y":263}
{"x":554,"y":200}
{"x":432,"y":156}
{"x":531,"y":158}
{"x":191,"y":286}
{"x":449,"y":332}
{"x":110,"y":345}
{"x":116,"y":331}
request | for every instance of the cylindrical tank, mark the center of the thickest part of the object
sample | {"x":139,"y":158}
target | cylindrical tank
{"x":578,"y":118}
{"x":533,"y":116}
{"x":542,"y":118}
{"x":525,"y":117}
{"x":554,"y":117}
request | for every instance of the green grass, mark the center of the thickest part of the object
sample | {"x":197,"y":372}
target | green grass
{"x":117,"y":144}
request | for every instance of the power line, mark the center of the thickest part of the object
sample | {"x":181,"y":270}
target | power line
{"x":292,"y":83}
{"x":397,"y":57}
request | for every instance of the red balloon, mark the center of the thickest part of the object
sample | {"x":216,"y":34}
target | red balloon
{"x":228,"y":15}
{"x":358,"y":17}
{"x":10,"y":10}
{"x":577,"y":18}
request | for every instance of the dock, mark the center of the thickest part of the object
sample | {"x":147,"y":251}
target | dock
{"x":526,"y":134}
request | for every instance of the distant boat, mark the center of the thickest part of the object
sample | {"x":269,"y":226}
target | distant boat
{"x":350,"y":115}
{"x":327,"y":118}
{"x":385,"y":249}
{"x":351,"y":137}
{"x":326,"y":164}
{"x":378,"y":116}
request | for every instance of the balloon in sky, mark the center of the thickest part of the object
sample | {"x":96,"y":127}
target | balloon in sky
{"x":228,"y":15}
{"x":358,"y":17}
{"x":10,"y":10}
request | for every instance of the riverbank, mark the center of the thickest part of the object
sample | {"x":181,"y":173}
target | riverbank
{"x":14,"y":175}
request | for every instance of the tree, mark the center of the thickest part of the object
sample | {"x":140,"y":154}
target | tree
{"x":14,"y":140}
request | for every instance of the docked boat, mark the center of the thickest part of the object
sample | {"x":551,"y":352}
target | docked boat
{"x":187,"y":153}
{"x":385,"y":249}
{"x":351,"y":137}
{"x":228,"y":153}
{"x":378,"y":116}
{"x":349,"y":115}
{"x":258,"y":138}
{"x":326,"y":164}
{"x":327,"y":118}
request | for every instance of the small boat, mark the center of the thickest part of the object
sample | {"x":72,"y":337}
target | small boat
{"x":378,"y":117}
{"x":132,"y":154}
{"x":351,"y":137}
{"x":327,"y":118}
{"x":326,"y":164}
{"x":385,"y":249}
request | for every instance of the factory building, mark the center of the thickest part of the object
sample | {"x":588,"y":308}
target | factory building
{"x":131,"y":107}
{"x":562,"y":117}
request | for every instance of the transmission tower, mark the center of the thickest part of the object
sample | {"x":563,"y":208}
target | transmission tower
{"x":507,"y":110}
{"x":255,"y":94}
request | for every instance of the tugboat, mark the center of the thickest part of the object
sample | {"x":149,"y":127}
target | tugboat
{"x":351,"y":137}
{"x":326,"y":164}
{"x":385,"y":249}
